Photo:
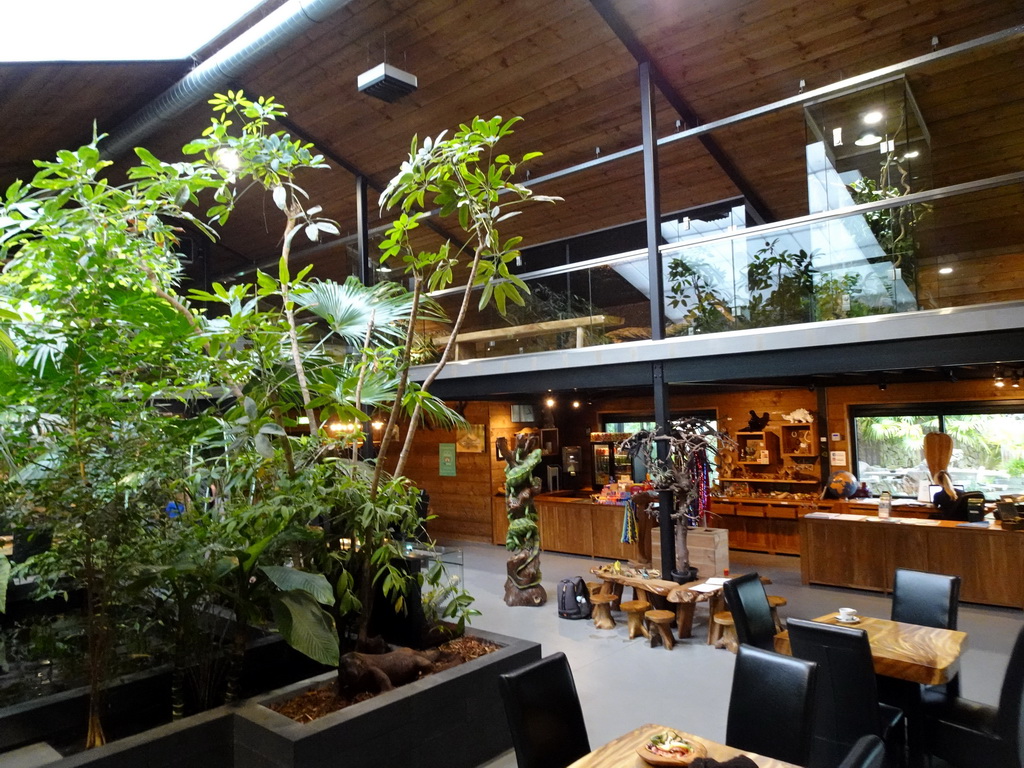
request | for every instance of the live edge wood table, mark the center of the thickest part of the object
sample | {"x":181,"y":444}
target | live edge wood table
{"x":904,"y":651}
{"x":859,"y":552}
{"x":621,"y":753}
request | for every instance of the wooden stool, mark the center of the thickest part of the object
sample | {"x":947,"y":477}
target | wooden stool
{"x":635,"y":610}
{"x":602,"y":610}
{"x":723,"y":630}
{"x":595,"y":587}
{"x":775,"y":602}
{"x":663,"y":621}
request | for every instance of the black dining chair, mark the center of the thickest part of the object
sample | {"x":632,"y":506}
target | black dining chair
{"x":544,"y":714}
{"x":770,"y":705}
{"x":751,"y":612}
{"x":930,"y":600}
{"x":846,"y":697}
{"x":868,"y":752}
{"x":969,"y":734}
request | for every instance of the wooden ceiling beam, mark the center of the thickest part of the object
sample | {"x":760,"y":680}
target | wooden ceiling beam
{"x":639,"y":52}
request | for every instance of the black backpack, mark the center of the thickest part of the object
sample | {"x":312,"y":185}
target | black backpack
{"x":573,"y":599}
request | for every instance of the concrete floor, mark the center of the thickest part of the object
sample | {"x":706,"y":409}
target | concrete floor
{"x":625,"y":683}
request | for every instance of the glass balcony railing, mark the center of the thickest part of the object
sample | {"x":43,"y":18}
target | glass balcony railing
{"x":951,"y":247}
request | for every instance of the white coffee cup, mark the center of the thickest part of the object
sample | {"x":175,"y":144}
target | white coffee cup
{"x":847,"y":614}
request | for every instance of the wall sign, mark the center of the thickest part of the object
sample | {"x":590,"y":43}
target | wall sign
{"x":446,"y":460}
{"x":837,"y":458}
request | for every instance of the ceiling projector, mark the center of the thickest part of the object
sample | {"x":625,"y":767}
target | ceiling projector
{"x":386,"y":83}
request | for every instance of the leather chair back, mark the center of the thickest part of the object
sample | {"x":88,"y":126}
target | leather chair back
{"x":751,"y":612}
{"x":1010,"y":720}
{"x":928,"y":599}
{"x":846,"y":698}
{"x":868,"y":752}
{"x":770,"y":706}
{"x":544,"y":714}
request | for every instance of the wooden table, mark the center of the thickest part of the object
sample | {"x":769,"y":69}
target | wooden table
{"x":686,"y":600}
{"x":621,"y":753}
{"x":904,"y":651}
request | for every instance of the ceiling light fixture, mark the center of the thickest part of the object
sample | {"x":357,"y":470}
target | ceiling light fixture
{"x":550,"y":402}
{"x":874,"y":117}
{"x":386,"y":83}
{"x":946,"y":271}
{"x":575,"y":403}
{"x":911,"y":154}
{"x":868,"y":139}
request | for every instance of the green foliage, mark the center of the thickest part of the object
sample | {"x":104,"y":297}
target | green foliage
{"x":461,"y":176}
{"x":689,"y":288}
{"x":782,"y":286}
{"x":105,"y":368}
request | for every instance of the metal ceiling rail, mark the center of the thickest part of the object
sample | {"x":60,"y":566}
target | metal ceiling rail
{"x":914,"y":198}
{"x":841,"y":88}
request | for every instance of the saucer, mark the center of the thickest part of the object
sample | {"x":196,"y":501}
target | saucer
{"x":851,"y":620}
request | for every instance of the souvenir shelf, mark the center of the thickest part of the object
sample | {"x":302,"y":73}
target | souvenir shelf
{"x":775,"y":461}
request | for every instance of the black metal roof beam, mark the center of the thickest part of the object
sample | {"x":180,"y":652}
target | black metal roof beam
{"x":639,"y":51}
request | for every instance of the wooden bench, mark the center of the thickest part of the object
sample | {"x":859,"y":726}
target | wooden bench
{"x":545,"y":328}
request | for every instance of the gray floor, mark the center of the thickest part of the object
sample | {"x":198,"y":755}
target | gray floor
{"x":624,"y":683}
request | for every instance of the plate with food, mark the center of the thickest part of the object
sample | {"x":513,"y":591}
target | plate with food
{"x":670,"y":748}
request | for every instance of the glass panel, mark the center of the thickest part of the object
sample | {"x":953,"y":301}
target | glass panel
{"x":988,"y":452}
{"x":717,"y":277}
{"x":890,"y":452}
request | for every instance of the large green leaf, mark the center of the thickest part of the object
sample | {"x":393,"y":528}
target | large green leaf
{"x":292,"y":579}
{"x":306,"y":627}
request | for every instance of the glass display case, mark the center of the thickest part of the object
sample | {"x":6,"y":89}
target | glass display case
{"x":611,"y":465}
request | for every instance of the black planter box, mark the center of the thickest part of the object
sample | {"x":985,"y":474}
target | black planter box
{"x":454,"y":719}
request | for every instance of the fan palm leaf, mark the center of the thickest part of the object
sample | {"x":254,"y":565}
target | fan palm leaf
{"x":348,"y":309}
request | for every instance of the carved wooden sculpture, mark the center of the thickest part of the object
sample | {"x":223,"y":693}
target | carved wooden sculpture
{"x":522,"y":587}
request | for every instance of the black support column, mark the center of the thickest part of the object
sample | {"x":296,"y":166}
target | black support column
{"x":366,"y":273}
{"x":652,"y":202}
{"x":652,"y":209}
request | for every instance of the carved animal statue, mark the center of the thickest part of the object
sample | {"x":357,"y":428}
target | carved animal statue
{"x":756,"y":423}
{"x":377,"y":672}
{"x":799,"y":416}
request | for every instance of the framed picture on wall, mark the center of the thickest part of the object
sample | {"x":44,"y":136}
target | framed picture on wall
{"x":522,"y":414}
{"x":473,"y":439}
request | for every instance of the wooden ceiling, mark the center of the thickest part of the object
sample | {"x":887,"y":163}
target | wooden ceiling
{"x":562,"y":66}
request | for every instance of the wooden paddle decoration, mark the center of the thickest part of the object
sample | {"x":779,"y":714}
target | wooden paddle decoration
{"x":938,"y":449}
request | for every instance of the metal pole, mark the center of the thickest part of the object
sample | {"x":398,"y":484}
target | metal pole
{"x":652,"y":202}
{"x":666,"y":503}
{"x":366,"y":274}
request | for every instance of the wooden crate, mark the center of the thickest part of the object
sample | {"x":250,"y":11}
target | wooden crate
{"x":709,"y":550}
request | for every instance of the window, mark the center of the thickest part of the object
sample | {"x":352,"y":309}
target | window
{"x":988,"y":446}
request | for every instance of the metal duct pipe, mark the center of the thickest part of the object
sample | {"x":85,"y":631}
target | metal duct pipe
{"x":276,"y":30}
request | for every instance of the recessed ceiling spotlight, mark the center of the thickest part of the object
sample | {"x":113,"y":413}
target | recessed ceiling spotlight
{"x":868,"y":139}
{"x":575,"y":403}
{"x":550,"y":402}
{"x":874,"y":117}
{"x":946,"y":271}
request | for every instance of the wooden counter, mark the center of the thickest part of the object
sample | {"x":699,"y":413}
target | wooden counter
{"x":864,"y":554}
{"x":765,"y":524}
{"x":576,"y":526}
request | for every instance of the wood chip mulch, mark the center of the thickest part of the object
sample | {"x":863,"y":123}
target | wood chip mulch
{"x":318,"y":702}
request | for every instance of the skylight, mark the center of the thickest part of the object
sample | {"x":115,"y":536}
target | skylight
{"x":114,"y":30}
